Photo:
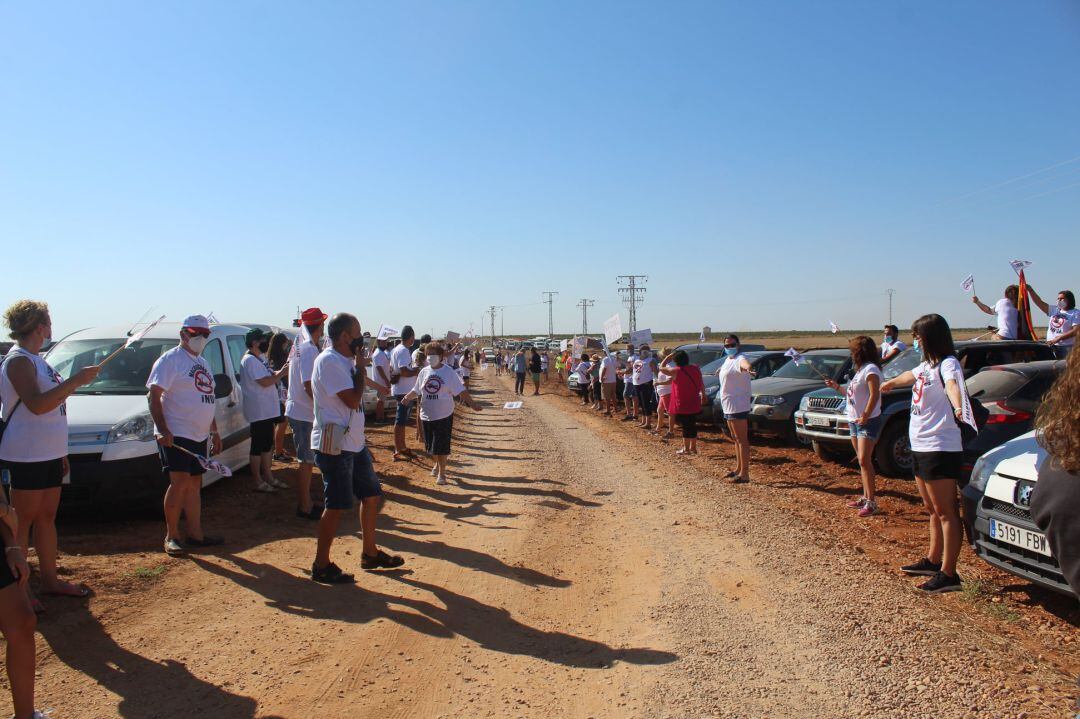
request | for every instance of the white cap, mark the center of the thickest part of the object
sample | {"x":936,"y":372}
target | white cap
{"x":196,"y":322}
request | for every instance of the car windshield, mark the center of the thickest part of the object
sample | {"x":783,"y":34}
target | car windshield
{"x":909,"y":359}
{"x":714,"y":366}
{"x":812,"y":367}
{"x":703,"y":357}
{"x":125,"y":374}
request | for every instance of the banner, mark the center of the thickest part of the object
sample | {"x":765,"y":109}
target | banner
{"x":562,"y":345}
{"x":452,"y":337}
{"x":613,"y":329}
{"x":386,"y":332}
{"x":641,"y":337}
{"x":968,"y":284}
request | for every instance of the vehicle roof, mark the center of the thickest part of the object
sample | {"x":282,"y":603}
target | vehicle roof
{"x":164,"y":330}
{"x":996,"y":343}
{"x":1030,"y":369}
{"x":838,"y":350}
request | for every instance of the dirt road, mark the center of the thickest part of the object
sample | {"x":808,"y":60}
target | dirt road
{"x":570,"y":570}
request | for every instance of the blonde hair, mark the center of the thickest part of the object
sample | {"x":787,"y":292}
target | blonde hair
{"x":24,"y":317}
{"x":1058,"y":416}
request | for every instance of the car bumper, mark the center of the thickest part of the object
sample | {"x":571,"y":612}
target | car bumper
{"x":822,"y":427}
{"x":96,"y":482}
{"x":1033,"y":566}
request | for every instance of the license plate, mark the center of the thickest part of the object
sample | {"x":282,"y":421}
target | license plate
{"x":1025,"y":538}
{"x":818,"y":421}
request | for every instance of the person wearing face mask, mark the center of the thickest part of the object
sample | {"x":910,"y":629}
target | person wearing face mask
{"x":891,"y":346}
{"x":259,"y":387}
{"x":380,"y":372}
{"x":403,"y":373}
{"x":626,"y":371}
{"x":181,"y":388}
{"x":735,"y":375}
{"x":437,"y":386}
{"x":1008,"y":319}
{"x":341,"y":453}
{"x":300,"y":406}
{"x":644,"y":369}
{"x":1064,"y":321}
{"x":520,"y":364}
{"x":33,"y":451}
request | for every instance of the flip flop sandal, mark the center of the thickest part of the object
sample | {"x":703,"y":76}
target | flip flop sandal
{"x":382,"y":560}
{"x":82,"y":591}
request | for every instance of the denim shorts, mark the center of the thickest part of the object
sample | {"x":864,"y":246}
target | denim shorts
{"x":404,"y":411}
{"x":301,"y":437}
{"x":870,"y":430}
{"x":347,"y":476}
{"x":733,"y":416}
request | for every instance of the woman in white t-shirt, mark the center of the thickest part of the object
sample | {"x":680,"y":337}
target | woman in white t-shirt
{"x":1064,"y":322}
{"x":662,"y":385}
{"x":939,"y":402}
{"x":33,"y":458}
{"x":863,"y":395}
{"x":584,"y":379}
{"x":735,"y":375}
{"x":1008,"y":318}
{"x":437,"y":386}
{"x":261,"y":407}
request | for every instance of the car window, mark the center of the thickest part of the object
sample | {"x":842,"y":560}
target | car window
{"x":126,"y":374}
{"x":813,"y":367}
{"x":764,"y":367}
{"x":994,"y":384}
{"x":237,"y":348}
{"x":906,"y":361}
{"x":214,"y":357}
{"x":1036,"y":388}
{"x":702,"y":357}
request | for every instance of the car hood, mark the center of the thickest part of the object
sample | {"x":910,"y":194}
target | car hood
{"x":1024,"y":460}
{"x":823,"y":392}
{"x":101,"y":411}
{"x":783,"y":385}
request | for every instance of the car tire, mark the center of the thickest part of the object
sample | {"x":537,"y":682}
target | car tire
{"x":892,"y":453}
{"x":824,"y":452}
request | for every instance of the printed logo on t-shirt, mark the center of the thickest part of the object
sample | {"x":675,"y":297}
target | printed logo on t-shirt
{"x":921,"y":382}
{"x":432,"y":386}
{"x":203,"y":382}
{"x":1057,"y":322}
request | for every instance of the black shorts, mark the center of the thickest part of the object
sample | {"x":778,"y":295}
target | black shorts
{"x":688,"y":424}
{"x":34,"y":475}
{"x":262,"y":436}
{"x":437,"y":435}
{"x":173,"y":460}
{"x":6,"y":577}
{"x":937,"y":465}
{"x":281,"y":414}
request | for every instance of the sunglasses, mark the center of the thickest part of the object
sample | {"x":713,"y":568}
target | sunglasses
{"x":196,"y":332}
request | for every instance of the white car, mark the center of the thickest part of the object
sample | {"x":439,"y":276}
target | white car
{"x":1002,"y":482}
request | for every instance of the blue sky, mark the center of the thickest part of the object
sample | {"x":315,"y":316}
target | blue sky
{"x":767,"y":165}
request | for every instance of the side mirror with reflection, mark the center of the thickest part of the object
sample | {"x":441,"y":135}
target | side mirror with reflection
{"x":222,"y":386}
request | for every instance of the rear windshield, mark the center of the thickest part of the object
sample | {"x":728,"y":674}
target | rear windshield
{"x":828,"y":365}
{"x":126,"y":374}
{"x":995,"y":384}
{"x":702,"y":357}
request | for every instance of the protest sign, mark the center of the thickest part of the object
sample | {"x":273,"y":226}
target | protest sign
{"x":386,"y":332}
{"x":641,"y":337}
{"x":452,"y":337}
{"x":1019,"y":265}
{"x":613,"y":329}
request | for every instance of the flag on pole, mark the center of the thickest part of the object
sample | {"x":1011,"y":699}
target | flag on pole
{"x":968,"y":284}
{"x":136,"y":336}
{"x":210,"y":465}
{"x":1019,"y":266}
{"x":701,"y":337}
{"x":833,"y":327}
{"x":1025,"y":327}
{"x":794,"y":355}
{"x":211,"y":319}
{"x":386,"y":332}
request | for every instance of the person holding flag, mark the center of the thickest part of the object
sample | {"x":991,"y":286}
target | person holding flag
{"x":300,"y":407}
{"x":1064,"y":321}
{"x":1005,"y":310}
{"x":939,"y":404}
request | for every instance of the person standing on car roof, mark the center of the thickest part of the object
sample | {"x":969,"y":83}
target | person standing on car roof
{"x":341,"y":451}
{"x":403,"y":374}
{"x":735,"y":375}
{"x":939,"y":403}
{"x":1008,"y":319}
{"x":1064,"y":321}
{"x":259,"y":387}
{"x":182,"y":400}
{"x":891,"y":346}
{"x":300,"y":406}
{"x":863,"y":394}
{"x":34,"y":447}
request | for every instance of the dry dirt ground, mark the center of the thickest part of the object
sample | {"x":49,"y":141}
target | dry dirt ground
{"x":574,"y":567}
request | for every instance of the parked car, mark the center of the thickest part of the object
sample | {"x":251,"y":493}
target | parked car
{"x":776,"y":398}
{"x":764,"y":364}
{"x":821,"y":417}
{"x":702,"y":353}
{"x":489,"y":355}
{"x":1001,"y":486}
{"x":111,"y":446}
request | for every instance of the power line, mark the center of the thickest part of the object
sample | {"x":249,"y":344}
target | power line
{"x":551,"y":325}
{"x":585,"y":305}
{"x":632,"y":295}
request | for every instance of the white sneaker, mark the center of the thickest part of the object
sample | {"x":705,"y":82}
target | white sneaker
{"x":279,"y":483}
{"x":264,"y":487}
{"x":441,"y":479}
{"x":435,"y":471}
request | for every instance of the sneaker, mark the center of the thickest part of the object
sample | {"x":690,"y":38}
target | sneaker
{"x":628,"y":418}
{"x":382,"y":560}
{"x":869,"y":508}
{"x":941,"y":583}
{"x":283,"y":458}
{"x":441,"y":479}
{"x":173,"y":548}
{"x":857,"y":503}
{"x":208,"y":540}
{"x":279,"y":483}
{"x":923,"y":567}
{"x":435,"y":471}
{"x":264,"y":487}
{"x":330,"y":574}
{"x":315,"y":513}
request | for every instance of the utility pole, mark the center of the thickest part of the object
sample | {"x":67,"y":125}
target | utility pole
{"x":890,"y":293}
{"x":632,"y":295}
{"x":502,"y":322}
{"x":551,"y":326}
{"x":491,"y":311}
{"x":585,"y":305}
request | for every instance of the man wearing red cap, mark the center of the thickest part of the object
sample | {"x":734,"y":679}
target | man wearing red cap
{"x":300,"y":406}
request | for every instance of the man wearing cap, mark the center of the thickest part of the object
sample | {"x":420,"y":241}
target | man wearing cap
{"x":403,"y":373}
{"x":261,"y":407}
{"x":380,"y":372}
{"x":300,"y":407}
{"x":181,"y":396}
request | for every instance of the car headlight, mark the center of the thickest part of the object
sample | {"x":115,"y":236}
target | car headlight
{"x":804,"y":403}
{"x":139,"y":428}
{"x":771,"y":400}
{"x":980,"y":473}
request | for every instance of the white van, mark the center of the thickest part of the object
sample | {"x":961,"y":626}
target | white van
{"x":111,"y":446}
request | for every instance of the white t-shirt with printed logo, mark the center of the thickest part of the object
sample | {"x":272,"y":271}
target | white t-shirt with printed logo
{"x":642,"y":371}
{"x":1007,"y":318}
{"x":380,"y":358}
{"x":1061,"y":321}
{"x":299,"y":404}
{"x":437,"y":389}
{"x":932,"y":427}
{"x":607,"y":370}
{"x":32,"y":437}
{"x":188,"y":398}
{"x":333,"y":373}
{"x":401,"y":356}
{"x":858,"y":392}
{"x":259,"y":402}
{"x":896,"y":346}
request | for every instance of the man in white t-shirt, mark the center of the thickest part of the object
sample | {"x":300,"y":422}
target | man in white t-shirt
{"x":1008,"y":319}
{"x":300,"y":407}
{"x":262,"y":406}
{"x":891,"y":346}
{"x":1064,"y":322}
{"x":380,"y":372}
{"x":341,"y":453}
{"x":627,"y":374}
{"x":608,"y":382}
{"x":182,"y":400}
{"x":403,"y":373}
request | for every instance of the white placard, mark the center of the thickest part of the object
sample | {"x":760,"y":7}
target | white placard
{"x":452,"y":337}
{"x":563,"y":344}
{"x":641,"y":337}
{"x":513,"y":405}
{"x":612,"y":329}
{"x":386,"y":332}
{"x":1019,"y":265}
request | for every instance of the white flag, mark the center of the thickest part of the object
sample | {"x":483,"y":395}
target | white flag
{"x":1018,"y":265}
{"x":794,"y":355}
{"x":142,"y":333}
{"x":701,"y":337}
{"x":968,"y":284}
{"x":386,"y":332}
{"x":832,"y":326}
{"x":613,"y":329}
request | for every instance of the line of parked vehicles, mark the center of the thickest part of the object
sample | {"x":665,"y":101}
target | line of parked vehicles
{"x":1001,"y":464}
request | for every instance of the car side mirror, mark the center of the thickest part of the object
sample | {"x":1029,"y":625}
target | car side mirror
{"x":222,"y":386}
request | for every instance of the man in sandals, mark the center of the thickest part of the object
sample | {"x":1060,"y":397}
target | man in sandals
{"x":341,"y":453}
{"x":403,"y":372}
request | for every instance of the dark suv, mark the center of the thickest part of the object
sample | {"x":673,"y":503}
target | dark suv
{"x":822,"y":419}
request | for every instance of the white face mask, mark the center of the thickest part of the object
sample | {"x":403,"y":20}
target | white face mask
{"x":1063,"y":305}
{"x":434,"y":360}
{"x":196,"y":344}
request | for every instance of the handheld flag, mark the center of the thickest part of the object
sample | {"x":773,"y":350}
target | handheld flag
{"x":833,"y":327}
{"x":795,"y":356}
{"x":210,"y":465}
{"x":1019,"y":266}
{"x":386,"y":332}
{"x":1025,"y":326}
{"x":968,"y":284}
{"x":135,"y":337}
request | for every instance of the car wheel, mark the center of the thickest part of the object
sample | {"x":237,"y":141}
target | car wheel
{"x":824,"y":451}
{"x":892,"y":453}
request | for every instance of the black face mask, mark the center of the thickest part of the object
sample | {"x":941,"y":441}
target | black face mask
{"x":356,"y":344}
{"x":264,"y":346}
